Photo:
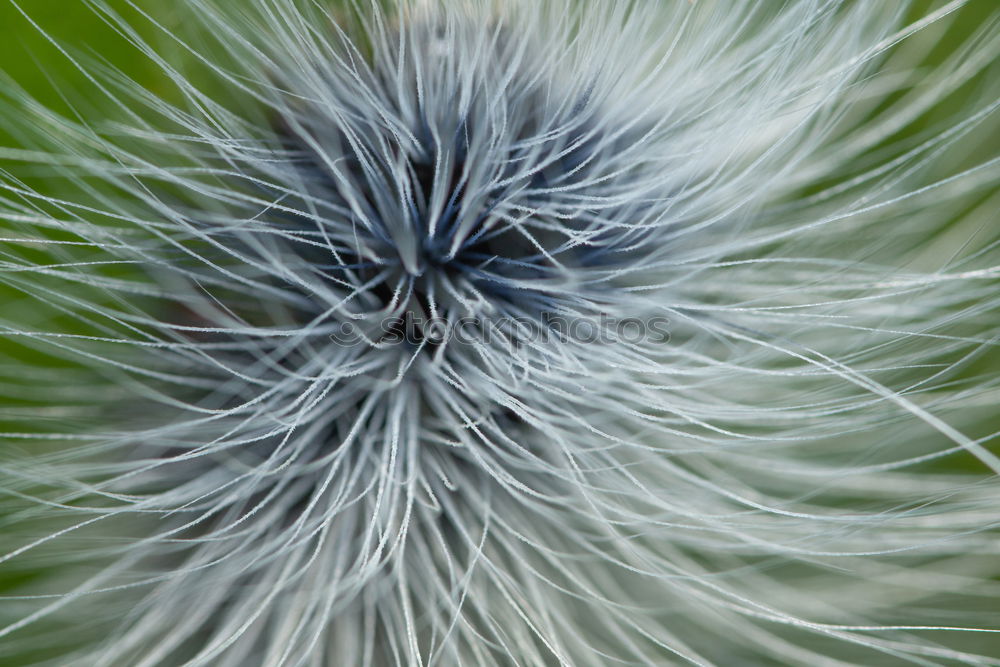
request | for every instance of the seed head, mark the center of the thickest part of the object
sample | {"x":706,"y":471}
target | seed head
{"x":482,"y":332}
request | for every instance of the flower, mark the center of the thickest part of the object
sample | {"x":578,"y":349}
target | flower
{"x":508,"y":333}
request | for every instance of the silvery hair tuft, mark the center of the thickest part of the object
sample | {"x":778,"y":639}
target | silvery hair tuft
{"x":486,"y":333}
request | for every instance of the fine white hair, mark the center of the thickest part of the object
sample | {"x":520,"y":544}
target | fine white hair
{"x":316,"y":353}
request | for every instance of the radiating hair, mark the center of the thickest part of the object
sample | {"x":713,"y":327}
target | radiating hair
{"x":489,"y":333}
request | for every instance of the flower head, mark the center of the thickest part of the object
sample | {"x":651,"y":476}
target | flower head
{"x":509,"y":333}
